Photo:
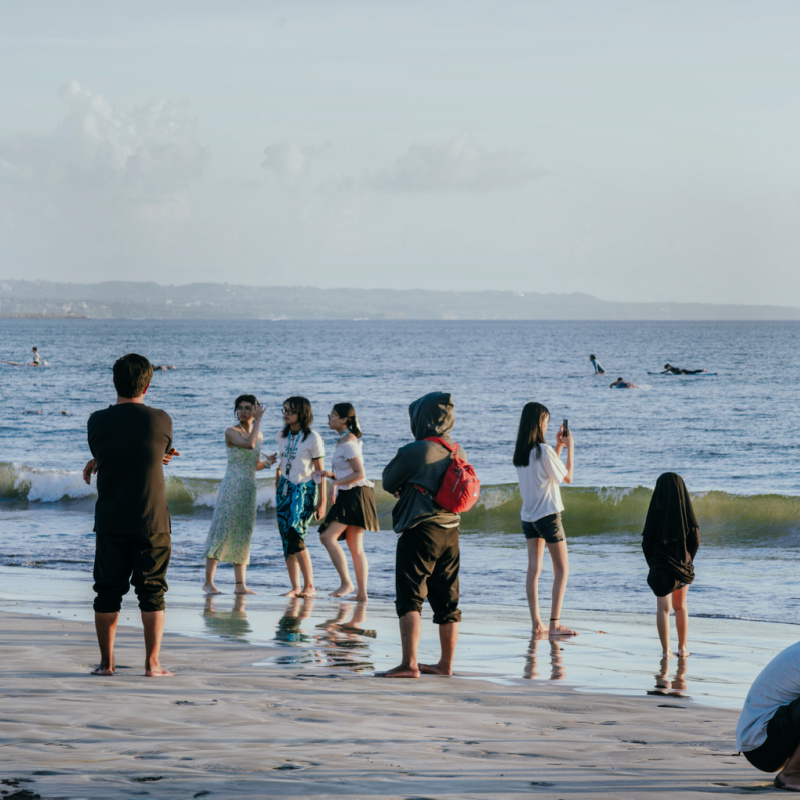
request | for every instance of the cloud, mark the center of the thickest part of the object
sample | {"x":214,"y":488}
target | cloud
{"x":288,"y":161}
{"x":460,"y":165}
{"x":150,"y":153}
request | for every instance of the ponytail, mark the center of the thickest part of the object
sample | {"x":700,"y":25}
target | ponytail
{"x":348,"y":413}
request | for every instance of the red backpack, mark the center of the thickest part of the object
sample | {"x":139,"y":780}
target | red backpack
{"x":460,"y":486}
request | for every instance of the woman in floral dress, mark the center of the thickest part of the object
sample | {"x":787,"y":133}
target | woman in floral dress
{"x":235,"y":512}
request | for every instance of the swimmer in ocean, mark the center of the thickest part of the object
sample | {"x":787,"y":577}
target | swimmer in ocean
{"x":598,"y":367}
{"x":621,"y":384}
{"x":669,"y":369}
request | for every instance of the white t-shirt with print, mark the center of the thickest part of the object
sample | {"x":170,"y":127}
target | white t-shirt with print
{"x":300,"y":453}
{"x":341,"y":465}
{"x":538,"y":484}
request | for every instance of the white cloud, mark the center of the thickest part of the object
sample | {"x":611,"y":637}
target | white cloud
{"x":147,"y":154}
{"x":459,"y":165}
{"x":288,"y":161}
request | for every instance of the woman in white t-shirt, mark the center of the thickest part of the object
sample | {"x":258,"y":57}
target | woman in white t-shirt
{"x":353,"y":510}
{"x":540,"y":471}
{"x":297,"y":497}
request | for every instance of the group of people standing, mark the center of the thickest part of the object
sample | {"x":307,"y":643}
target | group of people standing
{"x":301,"y":495}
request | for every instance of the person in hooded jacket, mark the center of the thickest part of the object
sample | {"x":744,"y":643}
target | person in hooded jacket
{"x":427,"y":561}
{"x":670,"y":541}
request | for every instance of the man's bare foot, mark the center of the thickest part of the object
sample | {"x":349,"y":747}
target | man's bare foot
{"x":241,"y":589}
{"x":683,"y":652}
{"x":560,"y":631}
{"x":344,"y":589}
{"x":436,"y":669}
{"x":158,"y":672}
{"x":209,"y":588}
{"x":403,"y":671}
{"x":101,"y":670}
{"x":293,"y":593}
{"x":789,"y":782}
{"x":308,"y":591}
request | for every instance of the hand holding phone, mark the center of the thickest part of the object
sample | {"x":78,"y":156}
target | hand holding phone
{"x":565,"y":429}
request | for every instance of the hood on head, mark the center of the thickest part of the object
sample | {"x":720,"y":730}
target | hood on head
{"x":432,"y":415}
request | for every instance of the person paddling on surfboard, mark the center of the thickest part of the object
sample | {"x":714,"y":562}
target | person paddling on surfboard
{"x":669,"y":369}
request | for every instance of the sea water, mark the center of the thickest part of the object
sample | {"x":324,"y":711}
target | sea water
{"x":733,"y":435}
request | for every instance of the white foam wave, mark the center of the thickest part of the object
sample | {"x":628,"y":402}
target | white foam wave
{"x":51,"y":486}
{"x":613,"y":494}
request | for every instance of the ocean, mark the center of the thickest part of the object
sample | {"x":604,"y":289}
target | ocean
{"x":733,"y":435}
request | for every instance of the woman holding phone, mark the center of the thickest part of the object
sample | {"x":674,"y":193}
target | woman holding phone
{"x":540,"y":471}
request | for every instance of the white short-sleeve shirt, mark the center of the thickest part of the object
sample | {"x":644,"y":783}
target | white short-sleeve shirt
{"x":297,"y":455}
{"x":777,"y":685}
{"x":538,"y":484}
{"x":341,"y":465}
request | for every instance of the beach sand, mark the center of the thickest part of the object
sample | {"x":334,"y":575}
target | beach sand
{"x":234,"y":723}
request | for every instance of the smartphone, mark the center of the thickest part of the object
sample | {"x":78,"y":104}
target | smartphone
{"x":565,"y":429}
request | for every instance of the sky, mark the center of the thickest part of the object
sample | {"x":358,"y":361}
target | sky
{"x":629,"y":149}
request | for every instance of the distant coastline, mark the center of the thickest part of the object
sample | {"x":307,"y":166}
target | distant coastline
{"x":20,"y":299}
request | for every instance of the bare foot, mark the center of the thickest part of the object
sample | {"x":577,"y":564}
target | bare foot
{"x":667,"y":653}
{"x":361,"y":598}
{"x":243,"y":590}
{"x":158,"y":672}
{"x":788,"y":782}
{"x":344,"y":589}
{"x":402,"y":671}
{"x":560,"y":631}
{"x":540,"y":631}
{"x":436,"y":669}
{"x":308,"y":591}
{"x":293,"y":593}
{"x":209,"y":588}
{"x":102,"y":671}
{"x":683,"y":652}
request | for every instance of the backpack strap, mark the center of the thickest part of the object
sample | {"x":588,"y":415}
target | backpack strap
{"x":443,"y":443}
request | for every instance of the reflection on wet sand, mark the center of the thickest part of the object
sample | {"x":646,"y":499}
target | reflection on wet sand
{"x":337,"y":642}
{"x":671,"y":688}
{"x":231,"y":624}
{"x":557,"y":671}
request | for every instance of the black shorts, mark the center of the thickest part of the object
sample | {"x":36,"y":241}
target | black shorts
{"x":122,"y":560}
{"x":783,"y":738}
{"x":427,"y":566}
{"x":548,"y":528}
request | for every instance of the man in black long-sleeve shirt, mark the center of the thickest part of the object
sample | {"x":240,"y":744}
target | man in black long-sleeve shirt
{"x":130,"y":442}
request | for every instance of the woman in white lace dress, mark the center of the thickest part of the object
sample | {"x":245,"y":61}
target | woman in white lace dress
{"x":235,"y":512}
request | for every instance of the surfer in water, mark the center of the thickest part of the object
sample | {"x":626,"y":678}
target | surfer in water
{"x":598,"y":367}
{"x":621,"y":384}
{"x":670,"y":370}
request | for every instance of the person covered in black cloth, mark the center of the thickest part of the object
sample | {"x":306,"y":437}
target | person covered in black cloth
{"x":669,"y":541}
{"x":130,"y":443}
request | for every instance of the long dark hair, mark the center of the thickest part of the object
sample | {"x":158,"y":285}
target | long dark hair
{"x":302,"y":408}
{"x":244,"y":398}
{"x":348,"y":413}
{"x":530,"y":433}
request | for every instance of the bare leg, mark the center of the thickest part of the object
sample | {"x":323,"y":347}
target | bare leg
{"x":789,"y":776}
{"x":239,"y":570}
{"x":211,"y":568}
{"x":681,"y":619}
{"x":663,"y":608}
{"x":558,"y":554}
{"x":410,"y":633}
{"x":535,"y":556}
{"x":153,"y":622}
{"x":355,"y":542}
{"x":105,"y":625}
{"x":330,"y":539}
{"x":448,"y":636}
{"x":293,"y":568}
{"x":304,"y":562}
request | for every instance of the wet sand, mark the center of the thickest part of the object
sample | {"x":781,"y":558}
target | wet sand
{"x":237,"y":721}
